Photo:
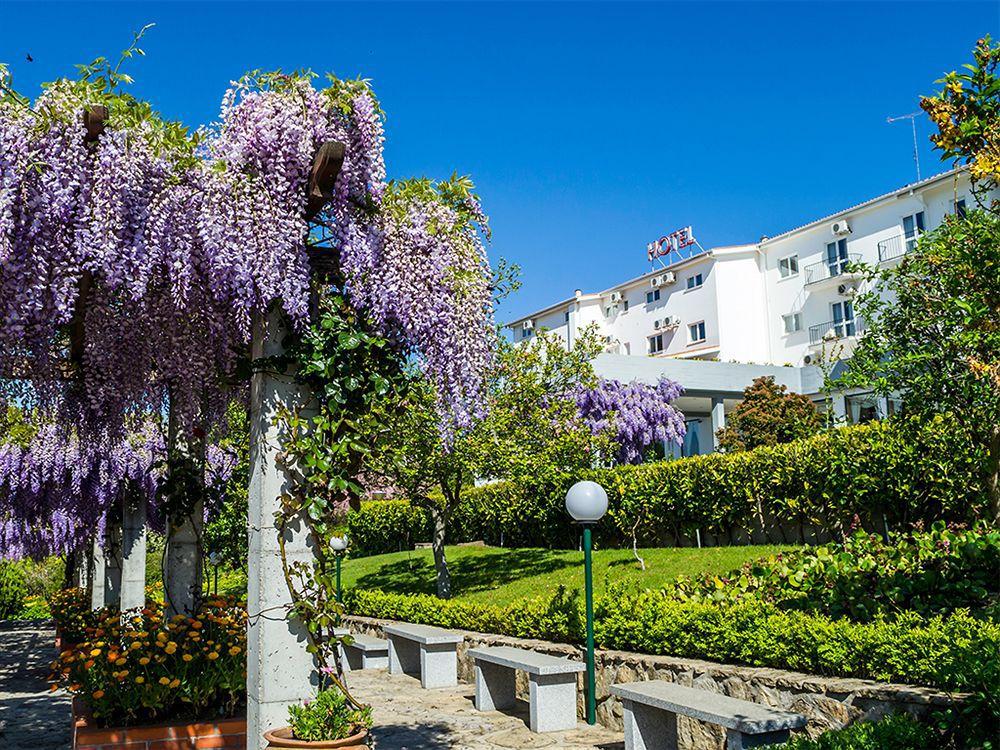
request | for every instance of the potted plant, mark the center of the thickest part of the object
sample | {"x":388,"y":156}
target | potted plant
{"x":330,"y":720}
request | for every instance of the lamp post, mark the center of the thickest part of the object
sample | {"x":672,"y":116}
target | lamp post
{"x":214,"y":559}
{"x":339,"y":544}
{"x":587,"y":502}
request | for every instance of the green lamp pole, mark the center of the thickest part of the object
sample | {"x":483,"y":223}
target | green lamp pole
{"x":339,"y":544}
{"x":587,"y":502}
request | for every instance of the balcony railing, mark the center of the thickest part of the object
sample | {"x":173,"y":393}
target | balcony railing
{"x":824,"y":270}
{"x":892,"y":248}
{"x":832,"y":330}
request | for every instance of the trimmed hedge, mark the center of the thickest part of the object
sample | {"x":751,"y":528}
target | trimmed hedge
{"x":893,"y":472}
{"x":955,"y":652}
{"x":895,"y":732}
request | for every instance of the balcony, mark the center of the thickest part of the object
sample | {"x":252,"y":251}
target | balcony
{"x":817,"y":274}
{"x":832,"y":330}
{"x":895,"y":248}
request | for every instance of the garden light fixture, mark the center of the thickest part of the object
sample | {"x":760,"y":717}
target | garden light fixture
{"x":339,"y":545}
{"x":587,"y":502}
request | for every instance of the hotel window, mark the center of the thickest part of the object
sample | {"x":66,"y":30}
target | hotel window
{"x":566,"y":317}
{"x":861,"y":408}
{"x":792,"y":322}
{"x":696,"y":332}
{"x":913,"y":227}
{"x":526,"y":333}
{"x":788,"y":266}
{"x":655,"y":343}
{"x":836,"y":257}
{"x":625,"y":305}
{"x":843,"y":319}
{"x":695,"y":281}
{"x":653,"y":296}
{"x":960,"y":207}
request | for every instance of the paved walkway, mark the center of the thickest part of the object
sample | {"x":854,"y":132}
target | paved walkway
{"x":407,"y":717}
{"x":31,"y":718}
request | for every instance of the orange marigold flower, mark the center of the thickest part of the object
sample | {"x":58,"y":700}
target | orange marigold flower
{"x":96,"y":652}
{"x":234,"y":650}
{"x":144,"y":660}
{"x":164,"y":680}
{"x":187,"y":657}
{"x":120,"y":662}
{"x":88,"y":664}
{"x":139,"y":680}
{"x":213,"y":656}
{"x":175,"y":683}
{"x":170,"y":647}
{"x":98,"y":694}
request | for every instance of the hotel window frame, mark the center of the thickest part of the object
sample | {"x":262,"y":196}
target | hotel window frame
{"x":699,"y":328}
{"x":786,"y":272}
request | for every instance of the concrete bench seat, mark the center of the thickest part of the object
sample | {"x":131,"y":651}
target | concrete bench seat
{"x":651,"y":710}
{"x":425,"y":650}
{"x":363,"y":652}
{"x":551,"y":684}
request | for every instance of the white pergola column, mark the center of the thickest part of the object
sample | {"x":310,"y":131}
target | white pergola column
{"x":133,"y":584}
{"x":718,"y":419}
{"x":279,"y":670}
{"x":81,"y":566}
{"x":96,"y":574}
{"x":183,"y":563}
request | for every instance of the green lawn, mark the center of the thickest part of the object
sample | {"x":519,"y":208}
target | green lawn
{"x":498,"y":575}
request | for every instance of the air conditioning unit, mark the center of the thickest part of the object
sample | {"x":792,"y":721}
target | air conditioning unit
{"x":527,"y":325}
{"x":616,"y":297}
{"x":657,"y":324}
{"x":847,"y":290}
{"x":669,"y":277}
{"x":807,"y":360}
{"x":663,"y":279}
{"x":671,"y":321}
{"x":840,"y":228}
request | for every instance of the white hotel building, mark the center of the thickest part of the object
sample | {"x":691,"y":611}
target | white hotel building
{"x":715,"y":319}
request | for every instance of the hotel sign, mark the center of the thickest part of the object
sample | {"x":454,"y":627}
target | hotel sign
{"x":670,"y":243}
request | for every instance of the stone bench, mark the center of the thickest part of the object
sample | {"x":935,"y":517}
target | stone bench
{"x":551,"y":684}
{"x":425,"y":650}
{"x":651,"y":709}
{"x":363,"y":652}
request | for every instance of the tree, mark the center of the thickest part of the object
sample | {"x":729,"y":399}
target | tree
{"x":769,"y":414}
{"x":934,"y":320}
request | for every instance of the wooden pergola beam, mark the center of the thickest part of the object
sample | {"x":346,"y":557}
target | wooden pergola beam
{"x":327,"y":162}
{"x":95,"y":119}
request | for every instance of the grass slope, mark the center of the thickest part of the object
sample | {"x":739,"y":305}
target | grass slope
{"x":498,"y":575}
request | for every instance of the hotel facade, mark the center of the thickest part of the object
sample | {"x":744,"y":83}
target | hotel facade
{"x":715,"y":319}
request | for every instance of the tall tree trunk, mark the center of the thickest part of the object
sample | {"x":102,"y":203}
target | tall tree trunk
{"x":439,"y":520}
{"x":993,"y":475}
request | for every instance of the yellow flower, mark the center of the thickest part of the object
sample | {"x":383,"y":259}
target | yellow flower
{"x":120,"y":662}
{"x":139,"y":680}
{"x":170,"y":647}
{"x":98,"y":694}
{"x":187,"y":657}
{"x":135,"y":645}
{"x":213,"y":656}
{"x":164,"y":680}
{"x":144,"y":660}
{"x":96,"y":652}
{"x":175,"y":683}
{"x":234,"y":650}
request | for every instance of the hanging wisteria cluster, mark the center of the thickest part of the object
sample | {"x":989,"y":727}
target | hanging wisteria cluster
{"x":639,"y":415}
{"x":57,"y":488}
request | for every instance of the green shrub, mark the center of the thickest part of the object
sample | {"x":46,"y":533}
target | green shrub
{"x":895,"y":472}
{"x":929,"y":573}
{"x":329,"y":716}
{"x":954,"y":652}
{"x":556,"y":619}
{"x":13,"y":589}
{"x":896,"y":732}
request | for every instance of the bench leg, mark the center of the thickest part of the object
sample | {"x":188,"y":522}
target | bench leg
{"x":648,"y":728}
{"x":374,"y":661}
{"x":438,"y":665}
{"x":736,"y":740}
{"x":404,"y":656}
{"x":494,"y":686}
{"x":552,"y":702}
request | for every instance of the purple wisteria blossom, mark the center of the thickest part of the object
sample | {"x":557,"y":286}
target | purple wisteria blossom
{"x":638,"y":414}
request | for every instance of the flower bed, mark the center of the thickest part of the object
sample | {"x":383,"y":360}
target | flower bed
{"x":150,"y":670}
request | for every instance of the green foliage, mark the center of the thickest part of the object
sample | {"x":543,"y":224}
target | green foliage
{"x":226,"y":534}
{"x":329,"y":716}
{"x":905,"y":470}
{"x":895,"y":732}
{"x":768,"y":415}
{"x":864,"y":578}
{"x":555,"y":619}
{"x":387,"y":526}
{"x":13,"y":589}
{"x":933,"y":334}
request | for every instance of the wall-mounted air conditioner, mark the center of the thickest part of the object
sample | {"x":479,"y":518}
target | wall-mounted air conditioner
{"x":657,"y":324}
{"x":847,"y":290}
{"x":840,"y":228}
{"x":527,"y":325}
{"x":671,"y":321}
{"x":616,"y":297}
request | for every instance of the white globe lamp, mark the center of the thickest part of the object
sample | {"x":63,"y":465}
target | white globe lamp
{"x":586,"y":502}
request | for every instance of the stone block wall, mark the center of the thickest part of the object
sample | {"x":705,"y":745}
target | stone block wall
{"x":828,"y":702}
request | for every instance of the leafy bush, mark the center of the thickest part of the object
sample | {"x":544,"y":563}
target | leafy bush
{"x":955,"y":652}
{"x":928,"y":573}
{"x":769,"y":414}
{"x":897,"y":472}
{"x":329,"y":716}
{"x":149,"y":669}
{"x":13,"y":589}
{"x":556,"y":619}
{"x":35,"y":608}
{"x":896,"y":732}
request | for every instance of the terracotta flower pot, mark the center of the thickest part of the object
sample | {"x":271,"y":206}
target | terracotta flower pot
{"x":283,"y":738}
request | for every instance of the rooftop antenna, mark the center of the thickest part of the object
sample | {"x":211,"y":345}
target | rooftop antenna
{"x":912,"y":117}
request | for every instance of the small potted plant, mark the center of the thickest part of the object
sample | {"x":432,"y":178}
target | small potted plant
{"x":330,"y":720}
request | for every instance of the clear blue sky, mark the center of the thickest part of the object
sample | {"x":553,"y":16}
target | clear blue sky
{"x":589,"y":129}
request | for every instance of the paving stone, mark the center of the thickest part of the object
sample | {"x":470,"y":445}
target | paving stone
{"x":31,"y":718}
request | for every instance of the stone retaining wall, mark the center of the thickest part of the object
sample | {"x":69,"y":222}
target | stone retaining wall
{"x":828,"y":702}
